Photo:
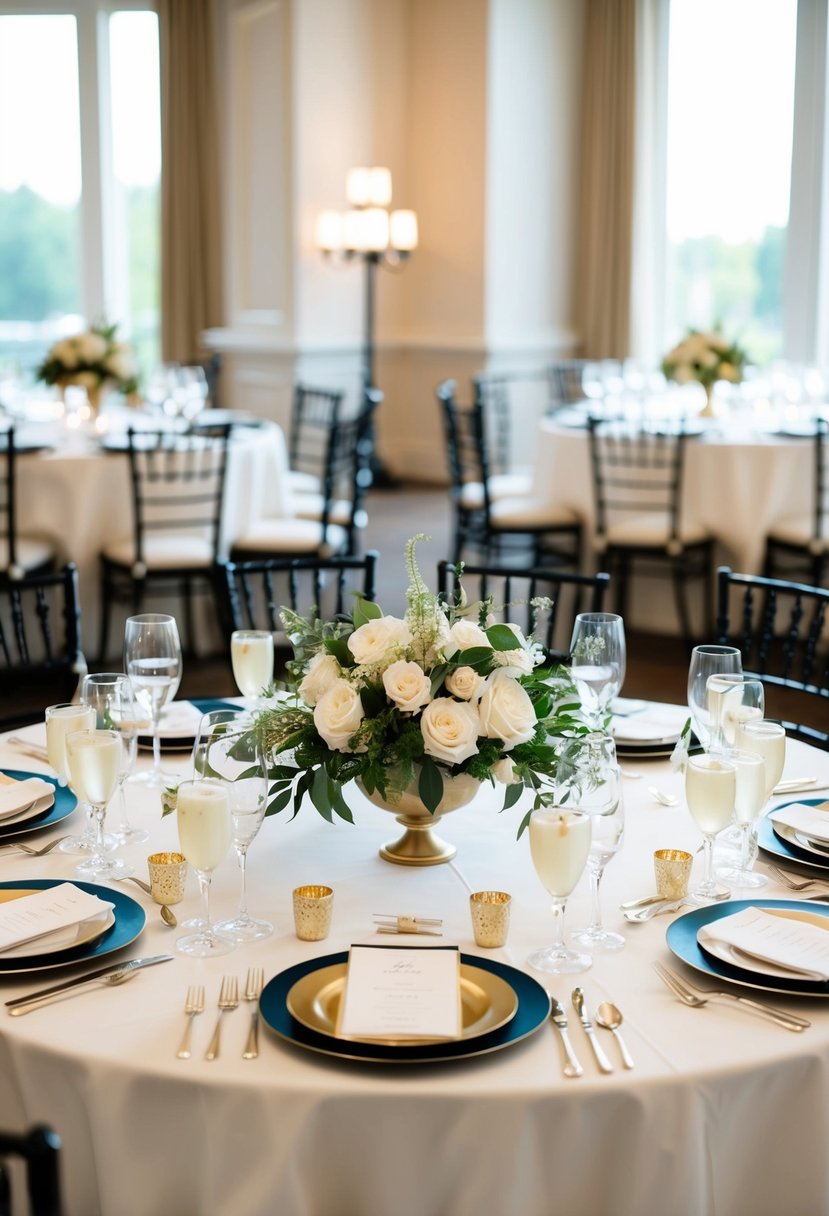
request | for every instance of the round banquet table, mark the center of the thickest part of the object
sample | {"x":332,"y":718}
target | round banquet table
{"x":724,"y":1112}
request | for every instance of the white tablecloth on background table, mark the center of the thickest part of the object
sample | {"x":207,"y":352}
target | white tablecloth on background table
{"x":723,"y":1113}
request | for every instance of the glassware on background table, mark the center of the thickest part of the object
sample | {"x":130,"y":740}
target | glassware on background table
{"x":112,"y":696}
{"x":731,"y":698}
{"x":749,"y":801}
{"x":710,"y":791}
{"x":61,"y":720}
{"x":251,"y":656}
{"x":559,"y":844}
{"x":227,"y":751}
{"x":94,"y":758}
{"x":589,"y":771}
{"x":152,"y":660}
{"x":203,"y":812}
{"x":708,"y":660}
{"x":598,"y":651}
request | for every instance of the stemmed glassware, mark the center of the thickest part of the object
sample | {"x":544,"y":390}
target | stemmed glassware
{"x":152,"y":660}
{"x":94,"y":758}
{"x":710,"y":791}
{"x":112,"y":697}
{"x":251,"y":656}
{"x":590,"y":768}
{"x":228,"y":751}
{"x":768,"y":739}
{"x":61,"y":720}
{"x":559,"y":844}
{"x":708,"y":660}
{"x":749,"y":801}
{"x":203,"y":811}
{"x":598,"y":654}
{"x":731,"y":699}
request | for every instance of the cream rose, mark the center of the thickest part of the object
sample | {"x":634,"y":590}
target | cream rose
{"x":464,"y":635}
{"x":323,"y":671}
{"x":504,"y":771}
{"x":407,"y":685}
{"x":121,"y":363}
{"x":65,"y":353}
{"x":337,"y":715}
{"x":450,"y":730}
{"x":506,"y":711}
{"x":465,"y":683}
{"x":91,"y":347}
{"x":379,"y":639}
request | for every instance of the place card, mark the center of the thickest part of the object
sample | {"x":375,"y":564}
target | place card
{"x":401,"y":993}
{"x":797,"y":946}
{"x":33,"y":916}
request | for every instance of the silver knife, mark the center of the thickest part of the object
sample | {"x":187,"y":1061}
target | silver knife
{"x":601,"y":1059}
{"x":572,"y":1068}
{"x":102,"y":973}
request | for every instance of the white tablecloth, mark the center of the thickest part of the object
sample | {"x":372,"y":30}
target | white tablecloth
{"x":723,"y":1113}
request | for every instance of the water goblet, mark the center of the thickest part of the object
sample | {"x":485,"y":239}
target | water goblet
{"x":152,"y":660}
{"x":203,"y":811}
{"x":710,"y":791}
{"x":94,"y":758}
{"x":598,"y":653}
{"x":595,"y":786}
{"x":559,"y":844}
{"x":708,"y":660}
{"x":749,"y":801}
{"x":731,"y":699}
{"x":112,"y":696}
{"x":251,"y":656}
{"x":61,"y":720}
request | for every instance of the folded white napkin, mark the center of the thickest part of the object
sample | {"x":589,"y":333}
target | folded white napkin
{"x":769,"y":943}
{"x":655,"y":723}
{"x":19,"y":794}
{"x":34,"y":916}
{"x":809,"y":820}
{"x":179,"y":718}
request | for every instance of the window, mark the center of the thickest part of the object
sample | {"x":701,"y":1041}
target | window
{"x":79,"y":176}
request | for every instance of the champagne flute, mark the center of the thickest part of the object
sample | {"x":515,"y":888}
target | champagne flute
{"x":749,"y":801}
{"x":708,"y":660}
{"x":94,"y":758}
{"x":596,"y":786}
{"x":228,"y":750}
{"x":559,"y":844}
{"x":203,"y":812}
{"x":112,"y":696}
{"x":61,"y":720}
{"x":152,"y":659}
{"x":731,"y":699}
{"x":251,"y":656}
{"x":710,"y":791}
{"x":768,"y":739}
{"x":598,"y":653}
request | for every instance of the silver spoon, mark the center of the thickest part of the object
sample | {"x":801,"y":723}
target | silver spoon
{"x":661,"y":796}
{"x":609,"y":1017}
{"x":167,"y":914}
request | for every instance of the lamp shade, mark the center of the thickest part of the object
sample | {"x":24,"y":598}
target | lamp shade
{"x":403,"y":229}
{"x":368,"y":187}
{"x":329,"y":231}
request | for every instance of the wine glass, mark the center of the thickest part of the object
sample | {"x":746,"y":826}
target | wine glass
{"x":708,"y":660}
{"x":94,"y":758}
{"x":749,"y":801}
{"x":730,"y":700}
{"x":152,"y":659}
{"x":710,"y":791}
{"x":251,"y":656}
{"x":203,"y":812}
{"x":229,"y":751}
{"x":595,"y":782}
{"x":61,"y":720}
{"x":559,"y":844}
{"x":768,"y":738}
{"x":112,"y":696}
{"x":597,"y":648}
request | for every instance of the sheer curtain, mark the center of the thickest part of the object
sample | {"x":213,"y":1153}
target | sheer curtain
{"x":191,"y":244}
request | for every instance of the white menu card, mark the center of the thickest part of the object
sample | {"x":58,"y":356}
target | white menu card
{"x":33,"y":916}
{"x":799,"y":947}
{"x":399,"y":992}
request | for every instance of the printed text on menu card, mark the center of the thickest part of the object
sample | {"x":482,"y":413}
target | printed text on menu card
{"x":402,"y":993}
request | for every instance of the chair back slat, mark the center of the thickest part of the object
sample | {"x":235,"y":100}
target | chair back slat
{"x":40,"y":655}
{"x":39,"y":1148}
{"x":637,"y":469}
{"x":313,"y":412}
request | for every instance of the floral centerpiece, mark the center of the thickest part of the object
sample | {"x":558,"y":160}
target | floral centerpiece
{"x":705,"y":357}
{"x":407,"y":705}
{"x":94,"y":360}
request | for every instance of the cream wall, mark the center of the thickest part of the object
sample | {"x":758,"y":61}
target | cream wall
{"x":473,"y":105}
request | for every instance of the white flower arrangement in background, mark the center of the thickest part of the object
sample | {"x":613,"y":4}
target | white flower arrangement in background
{"x":92,"y":360}
{"x":705,"y":357}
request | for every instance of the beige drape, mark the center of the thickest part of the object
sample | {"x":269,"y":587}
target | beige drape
{"x":604,"y":265}
{"x":191,"y":245}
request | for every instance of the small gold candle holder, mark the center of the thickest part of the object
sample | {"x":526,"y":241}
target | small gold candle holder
{"x":672,"y":868}
{"x":313,"y":906}
{"x":168,"y":874}
{"x":490,"y":917}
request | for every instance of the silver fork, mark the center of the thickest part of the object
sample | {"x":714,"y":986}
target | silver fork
{"x":193,"y":1005}
{"x":792,"y":883}
{"x":696,"y":999}
{"x":228,"y":999}
{"x":253,"y":990}
{"x":27,"y":848}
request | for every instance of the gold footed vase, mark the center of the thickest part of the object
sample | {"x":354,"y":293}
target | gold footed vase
{"x":708,"y":410}
{"x":420,"y":845}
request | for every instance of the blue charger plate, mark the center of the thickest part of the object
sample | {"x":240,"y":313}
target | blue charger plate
{"x":180,"y":743}
{"x":64,"y":804}
{"x":768,"y":839}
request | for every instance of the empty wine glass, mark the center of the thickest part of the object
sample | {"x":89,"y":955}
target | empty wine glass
{"x":94,"y":758}
{"x":61,"y":720}
{"x":203,"y":812}
{"x":598,"y":653}
{"x":708,"y":660}
{"x":591,"y":771}
{"x":251,"y":656}
{"x":559,"y":844}
{"x":152,"y":659}
{"x":731,"y":699}
{"x":710,"y":791}
{"x":749,"y":801}
{"x":112,"y":696}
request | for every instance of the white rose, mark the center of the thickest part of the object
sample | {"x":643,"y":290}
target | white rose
{"x":379,"y":639}
{"x":65,"y":353}
{"x":407,"y":685}
{"x":121,"y":363}
{"x":91,"y":347}
{"x":338,"y":714}
{"x":683,"y":374}
{"x":323,"y":671}
{"x":504,"y":771}
{"x":450,"y":730}
{"x":465,"y":683}
{"x":464,"y":635}
{"x":506,"y":711}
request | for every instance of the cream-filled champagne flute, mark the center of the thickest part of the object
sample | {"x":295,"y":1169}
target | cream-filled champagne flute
{"x":598,"y":653}
{"x":710,"y":791}
{"x":768,"y":739}
{"x":559,"y":845}
{"x":749,"y":801}
{"x":152,"y":660}
{"x":203,"y":812}
{"x":708,"y":660}
{"x":61,"y":720}
{"x":251,"y":656}
{"x":731,"y":699}
{"x":94,"y":758}
{"x":112,"y":697}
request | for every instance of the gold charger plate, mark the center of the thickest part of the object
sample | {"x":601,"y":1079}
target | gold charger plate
{"x":487,"y":1002}
{"x":68,"y":938}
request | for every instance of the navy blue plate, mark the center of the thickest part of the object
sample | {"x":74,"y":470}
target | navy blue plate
{"x":64,"y":804}
{"x":681,"y":937}
{"x":533,"y":1010}
{"x":768,"y":839}
{"x":130,"y":919}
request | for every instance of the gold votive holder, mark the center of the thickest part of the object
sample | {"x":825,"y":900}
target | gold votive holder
{"x":313,"y":906}
{"x":168,"y":874}
{"x":672,"y":868}
{"x":490,"y":917}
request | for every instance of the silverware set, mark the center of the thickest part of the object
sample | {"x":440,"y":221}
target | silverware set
{"x":608,"y":1017}
{"x":228,"y":1000}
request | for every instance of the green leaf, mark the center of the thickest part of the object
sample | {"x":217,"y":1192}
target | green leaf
{"x":364,"y":611}
{"x":338,"y":647}
{"x":512,"y":794}
{"x":430,"y":786}
{"x":501,"y":637}
{"x":524,"y":824}
{"x":335,"y":794}
{"x":372,"y":700}
{"x":478,"y":657}
{"x":319,"y":794}
{"x":278,"y":803}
